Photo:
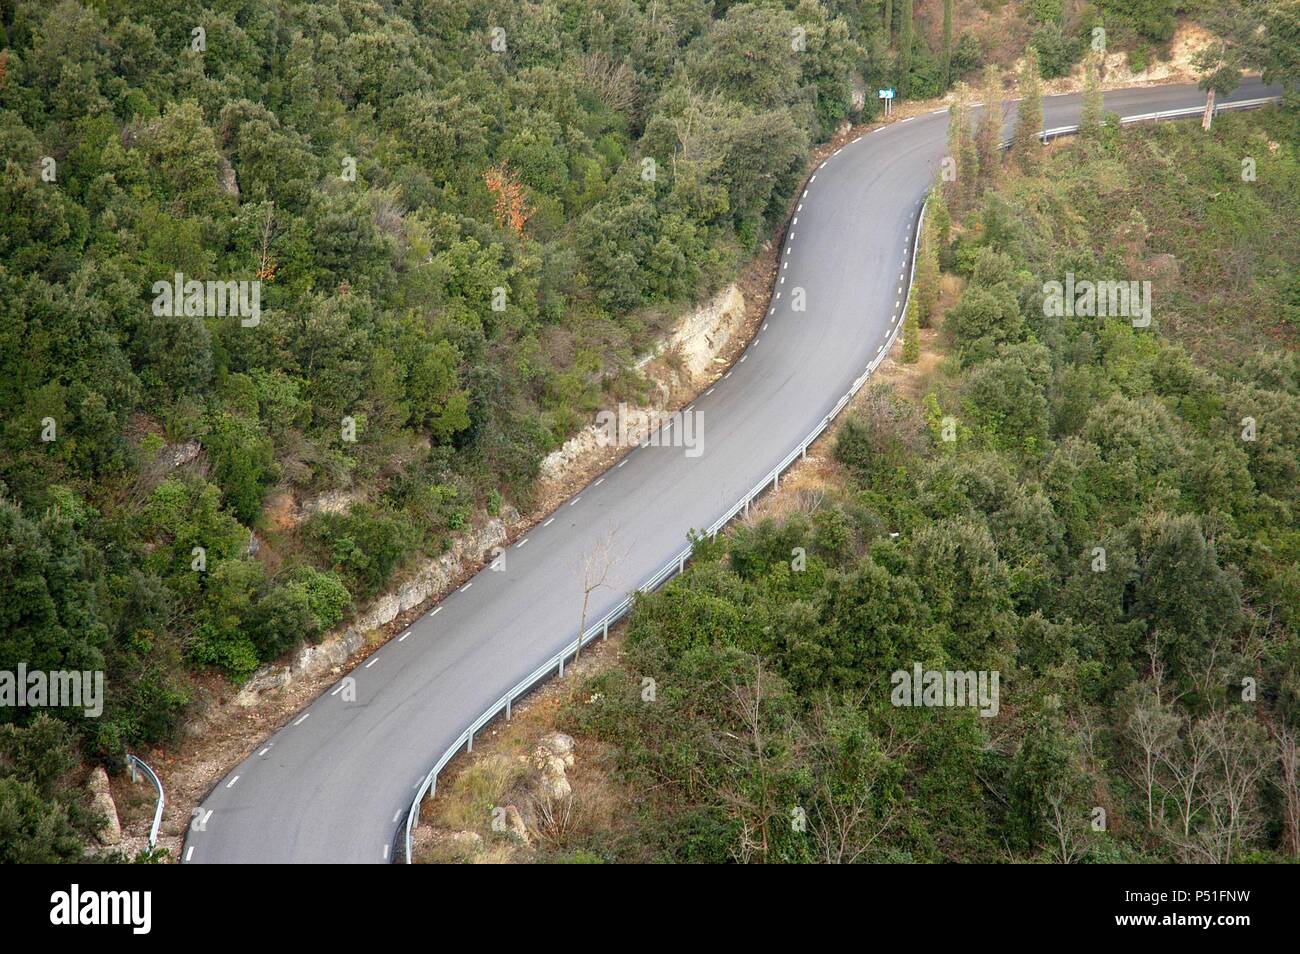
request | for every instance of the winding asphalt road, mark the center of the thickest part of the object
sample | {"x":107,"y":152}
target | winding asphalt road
{"x":335,"y":783}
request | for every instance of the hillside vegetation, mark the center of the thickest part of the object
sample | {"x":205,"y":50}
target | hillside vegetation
{"x":1101,"y":529}
{"x":450,"y":227}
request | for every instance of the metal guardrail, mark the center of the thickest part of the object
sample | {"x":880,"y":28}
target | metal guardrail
{"x":674,"y":566}
{"x":132,"y":764}
{"x":1183,"y":113}
{"x":678,"y":563}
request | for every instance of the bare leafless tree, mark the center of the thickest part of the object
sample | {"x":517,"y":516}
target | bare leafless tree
{"x":1288,"y":783}
{"x":1217,"y":780}
{"x":1151,"y":727}
{"x":1067,"y":825}
{"x":846,"y":821}
{"x":595,"y":570}
{"x":612,"y":81}
{"x":746,"y":787}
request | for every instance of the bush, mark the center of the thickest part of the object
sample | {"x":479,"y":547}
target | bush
{"x":1057,"y":51}
{"x":966,"y":54}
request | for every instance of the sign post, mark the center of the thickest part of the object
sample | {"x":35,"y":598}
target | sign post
{"x":888,"y":96}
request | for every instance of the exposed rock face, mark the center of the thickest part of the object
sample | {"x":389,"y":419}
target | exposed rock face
{"x":697,"y":339}
{"x":102,"y":802}
{"x":178,"y":455}
{"x":592,"y":439}
{"x":429,"y":579}
{"x":337,"y":501}
{"x":226,"y":177}
{"x":702,"y":334}
{"x":280,"y":510}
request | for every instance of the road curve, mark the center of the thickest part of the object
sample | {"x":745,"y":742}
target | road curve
{"x":335,"y":783}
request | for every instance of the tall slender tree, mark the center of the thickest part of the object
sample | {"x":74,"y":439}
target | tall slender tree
{"x":1093,"y":112}
{"x":1025,"y":144}
{"x":939,"y":219}
{"x":927,"y":273}
{"x":945,"y":67}
{"x":905,"y":41}
{"x":962,"y":160}
{"x":911,"y":331}
{"x":988,"y":138}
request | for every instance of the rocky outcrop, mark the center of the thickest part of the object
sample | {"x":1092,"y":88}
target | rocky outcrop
{"x":516,"y":826}
{"x":593,"y":439}
{"x":700,"y":336}
{"x":552,"y":756}
{"x":695,"y":343}
{"x":428,"y":580}
{"x":337,"y":501}
{"x":178,"y":455}
{"x":101,"y":801}
{"x":226,"y":177}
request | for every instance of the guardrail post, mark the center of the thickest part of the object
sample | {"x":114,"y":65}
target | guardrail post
{"x":561,"y":663}
{"x":803,"y":452}
{"x":469,"y":743}
{"x":605,"y":635}
{"x":776,"y":481}
{"x":507,"y":708}
{"x":681,"y":564}
{"x":746,"y":506}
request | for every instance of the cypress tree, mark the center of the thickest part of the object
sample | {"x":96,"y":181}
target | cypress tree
{"x":911,"y":333}
{"x":988,"y":139}
{"x":1025,"y":144}
{"x":905,"y":41}
{"x":945,"y":69}
{"x":1093,"y":106}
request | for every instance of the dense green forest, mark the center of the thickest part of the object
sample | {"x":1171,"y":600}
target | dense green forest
{"x":462,"y":215}
{"x":1149,"y":695}
{"x":466,"y":220}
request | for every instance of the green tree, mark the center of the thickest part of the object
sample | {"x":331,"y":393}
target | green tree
{"x":905,"y":43}
{"x":912,"y":330}
{"x":1025,"y":144}
{"x":927,"y":269}
{"x":988,"y":135}
{"x":1093,"y":111}
{"x":945,"y":68}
